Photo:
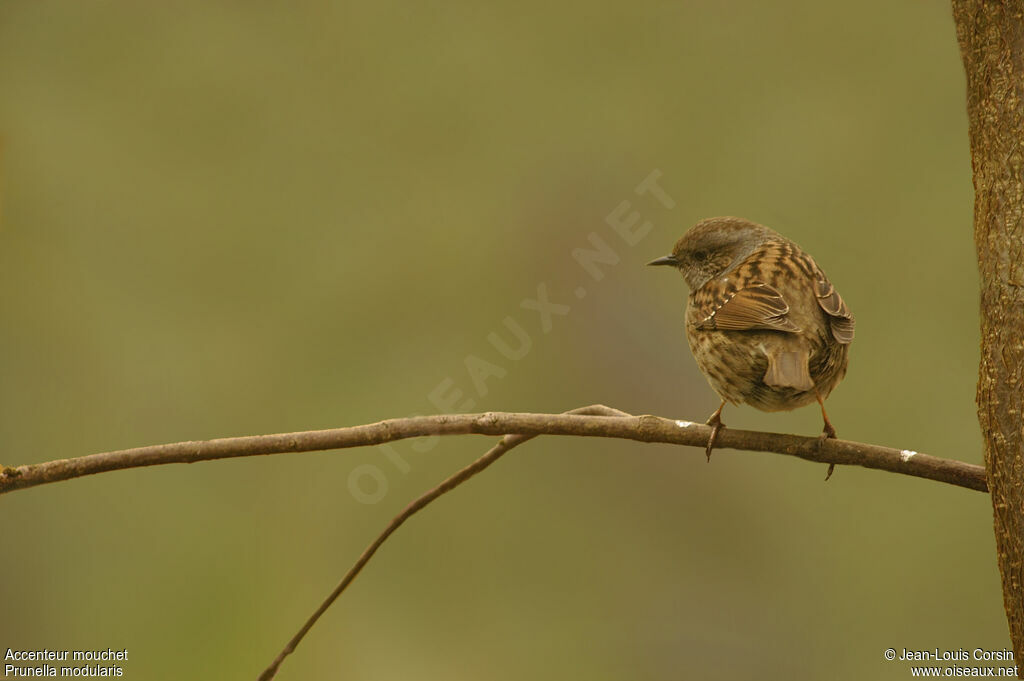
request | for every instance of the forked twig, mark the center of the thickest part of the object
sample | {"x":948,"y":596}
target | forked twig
{"x":507,"y":443}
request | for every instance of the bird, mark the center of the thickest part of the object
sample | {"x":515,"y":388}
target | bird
{"x":764,"y":323}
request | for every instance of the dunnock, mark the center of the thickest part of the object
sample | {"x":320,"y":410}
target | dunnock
{"x":762,"y":319}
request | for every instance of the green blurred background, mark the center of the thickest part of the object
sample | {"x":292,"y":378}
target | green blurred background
{"x":236,"y":218}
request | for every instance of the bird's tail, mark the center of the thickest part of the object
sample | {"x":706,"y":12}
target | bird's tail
{"x":788,"y":369}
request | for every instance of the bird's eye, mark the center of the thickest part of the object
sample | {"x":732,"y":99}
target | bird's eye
{"x":700,"y":256}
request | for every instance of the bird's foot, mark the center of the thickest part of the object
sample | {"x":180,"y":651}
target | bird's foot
{"x":829,"y":433}
{"x":715,"y":429}
{"x":716,"y":426}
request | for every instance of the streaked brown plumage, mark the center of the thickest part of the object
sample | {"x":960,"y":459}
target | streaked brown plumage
{"x":763,"y":321}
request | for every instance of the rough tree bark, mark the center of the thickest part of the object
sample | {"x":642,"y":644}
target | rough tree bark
{"x":991,"y":36}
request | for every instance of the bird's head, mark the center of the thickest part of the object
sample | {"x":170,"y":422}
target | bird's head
{"x":713,"y":247}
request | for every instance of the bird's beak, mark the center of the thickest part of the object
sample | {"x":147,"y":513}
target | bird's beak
{"x":665,"y":260}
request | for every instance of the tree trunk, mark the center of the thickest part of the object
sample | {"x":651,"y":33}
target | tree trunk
{"x":991,"y":36}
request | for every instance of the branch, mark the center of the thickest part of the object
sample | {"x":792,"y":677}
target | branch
{"x":507,"y":443}
{"x":592,"y":421}
{"x":627,"y":427}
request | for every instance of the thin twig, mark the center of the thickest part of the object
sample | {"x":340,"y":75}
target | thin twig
{"x":507,"y":443}
{"x":642,"y":428}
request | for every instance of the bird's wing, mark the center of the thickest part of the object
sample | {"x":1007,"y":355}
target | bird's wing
{"x":755,"y":306}
{"x":839,"y":316}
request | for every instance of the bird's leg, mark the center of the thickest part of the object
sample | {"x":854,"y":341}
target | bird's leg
{"x":716,"y":425}
{"x":829,"y":432}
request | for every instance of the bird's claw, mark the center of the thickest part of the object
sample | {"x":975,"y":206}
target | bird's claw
{"x":716,"y":426}
{"x":828,"y":433}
